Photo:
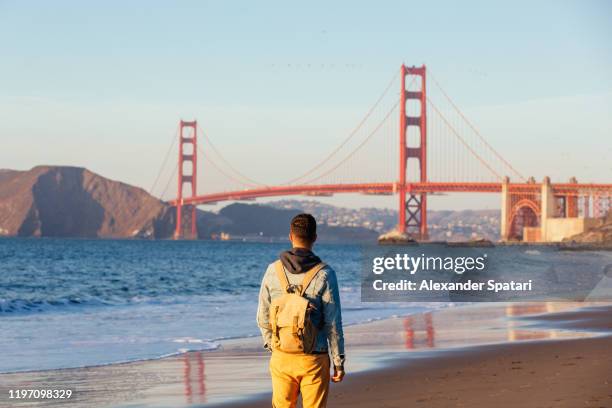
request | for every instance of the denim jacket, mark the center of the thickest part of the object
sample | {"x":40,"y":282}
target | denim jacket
{"x":323,"y":294}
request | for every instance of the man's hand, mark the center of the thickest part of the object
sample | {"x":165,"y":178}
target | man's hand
{"x":338,"y":374}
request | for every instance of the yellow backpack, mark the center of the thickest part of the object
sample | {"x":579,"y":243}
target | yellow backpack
{"x":292,"y":329}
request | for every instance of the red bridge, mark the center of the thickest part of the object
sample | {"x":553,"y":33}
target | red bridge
{"x":439,"y":151}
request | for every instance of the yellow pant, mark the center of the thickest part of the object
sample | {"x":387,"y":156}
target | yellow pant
{"x":295,"y":373}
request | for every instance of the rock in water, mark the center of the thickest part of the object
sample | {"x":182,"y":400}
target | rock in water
{"x":394,"y":237}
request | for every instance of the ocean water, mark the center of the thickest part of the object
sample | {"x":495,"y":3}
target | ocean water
{"x":73,"y":303}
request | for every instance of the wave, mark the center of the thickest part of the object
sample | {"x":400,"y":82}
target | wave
{"x":19,"y":306}
{"x":27,"y":306}
{"x":195,"y":344}
{"x":192,"y":344}
{"x":77,"y":303}
{"x":211,"y":346}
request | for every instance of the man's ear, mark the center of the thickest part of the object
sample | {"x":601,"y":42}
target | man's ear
{"x":314,"y":239}
{"x":291,"y":238}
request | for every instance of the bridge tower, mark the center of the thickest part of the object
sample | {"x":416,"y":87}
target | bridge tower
{"x":412,"y":207}
{"x":188,"y":153}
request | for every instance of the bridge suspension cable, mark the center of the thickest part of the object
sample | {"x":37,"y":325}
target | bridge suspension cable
{"x":205,"y":158}
{"x":163,"y":165}
{"x":217,"y":167}
{"x":247,"y":180}
{"x":172,"y":177}
{"x":348,"y":138}
{"x":471,"y":125}
{"x":244,"y":180}
{"x":358,"y":147}
{"x":462,"y":140}
{"x":362,"y":126}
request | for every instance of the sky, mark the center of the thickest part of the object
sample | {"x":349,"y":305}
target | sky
{"x":277,"y":85}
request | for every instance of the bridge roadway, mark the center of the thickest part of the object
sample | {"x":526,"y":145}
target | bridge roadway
{"x":388,"y":189}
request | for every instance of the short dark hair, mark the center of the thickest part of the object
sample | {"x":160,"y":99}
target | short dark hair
{"x":304,"y":227}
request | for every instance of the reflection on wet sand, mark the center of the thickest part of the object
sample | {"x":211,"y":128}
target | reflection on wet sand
{"x":240,"y":368}
{"x":420,"y":331}
{"x":195,"y":387}
{"x":516,"y":333}
{"x":413,"y":329}
{"x":457,"y":327}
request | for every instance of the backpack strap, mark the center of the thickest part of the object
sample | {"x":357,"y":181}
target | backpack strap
{"x":280,"y":272}
{"x":310,"y":276}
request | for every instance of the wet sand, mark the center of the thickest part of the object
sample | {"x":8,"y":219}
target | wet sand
{"x":528,"y":355}
{"x":564,"y":373}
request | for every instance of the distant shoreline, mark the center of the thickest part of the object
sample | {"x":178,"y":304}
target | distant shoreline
{"x":565,"y":246}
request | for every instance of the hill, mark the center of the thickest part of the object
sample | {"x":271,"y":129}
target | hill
{"x":59,"y":201}
{"x":62,"y":201}
{"x":256,"y":221}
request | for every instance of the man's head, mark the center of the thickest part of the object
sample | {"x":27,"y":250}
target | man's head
{"x":303,"y":231}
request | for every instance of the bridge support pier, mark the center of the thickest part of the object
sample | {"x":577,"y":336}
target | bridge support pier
{"x":412,"y":207}
{"x":188,"y":136}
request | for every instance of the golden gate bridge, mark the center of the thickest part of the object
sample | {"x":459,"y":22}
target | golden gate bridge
{"x":434,"y":150}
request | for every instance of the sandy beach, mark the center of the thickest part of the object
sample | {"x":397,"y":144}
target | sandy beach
{"x":564,"y":373}
{"x":572,"y":373}
{"x":528,"y":355}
